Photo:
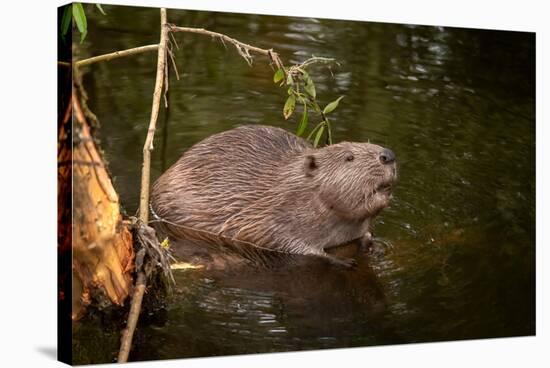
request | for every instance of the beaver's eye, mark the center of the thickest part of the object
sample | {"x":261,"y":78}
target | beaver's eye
{"x":349,"y":156}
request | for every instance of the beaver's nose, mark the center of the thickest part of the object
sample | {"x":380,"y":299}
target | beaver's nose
{"x":387,"y":156}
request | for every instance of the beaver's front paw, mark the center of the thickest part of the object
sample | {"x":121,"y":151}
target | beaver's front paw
{"x":366,"y":242}
{"x":342,"y":262}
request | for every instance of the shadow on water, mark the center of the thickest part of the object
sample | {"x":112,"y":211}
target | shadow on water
{"x":300,"y":303}
{"x":457,"y":106}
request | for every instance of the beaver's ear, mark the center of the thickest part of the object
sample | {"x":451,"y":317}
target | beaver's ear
{"x":310,"y":165}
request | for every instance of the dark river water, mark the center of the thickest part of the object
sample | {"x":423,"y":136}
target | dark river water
{"x":455,"y":252}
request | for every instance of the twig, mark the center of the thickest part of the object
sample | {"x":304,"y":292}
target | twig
{"x":174,"y":63}
{"x":242,"y":48}
{"x":329,"y":131}
{"x":148,"y":146}
{"x":174,"y":40}
{"x":135,"y":308}
{"x":166,"y":83}
{"x":133,"y":316}
{"x":116,"y":55}
{"x":317,"y":59}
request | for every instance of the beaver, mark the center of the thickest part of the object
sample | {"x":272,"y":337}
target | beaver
{"x":267,"y":188}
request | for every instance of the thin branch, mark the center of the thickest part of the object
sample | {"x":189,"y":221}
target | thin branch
{"x":329,"y":131}
{"x":242,"y":48}
{"x":133,"y":316}
{"x":174,"y":40}
{"x":116,"y":55}
{"x":174,"y":64}
{"x":135,"y":308}
{"x":148,"y":146}
{"x":166,"y":83}
{"x":317,"y":59}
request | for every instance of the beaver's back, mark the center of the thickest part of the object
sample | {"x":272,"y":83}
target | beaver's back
{"x":223,"y":174}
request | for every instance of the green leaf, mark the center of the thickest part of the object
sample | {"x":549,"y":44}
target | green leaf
{"x":289,"y":80}
{"x":279,"y":75}
{"x":303,"y":123}
{"x":80,"y":20}
{"x":318,"y":136}
{"x":66,"y":20}
{"x":314,"y":130}
{"x":309,"y":86}
{"x":331,"y":106}
{"x":100,"y":9}
{"x":290,"y":104}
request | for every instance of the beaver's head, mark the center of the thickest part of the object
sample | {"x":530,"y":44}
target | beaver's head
{"x":355,"y":179}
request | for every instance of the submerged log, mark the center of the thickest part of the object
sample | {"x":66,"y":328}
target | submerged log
{"x":102,"y":248}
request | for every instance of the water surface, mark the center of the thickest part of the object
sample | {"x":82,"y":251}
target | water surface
{"x":456,"y":254}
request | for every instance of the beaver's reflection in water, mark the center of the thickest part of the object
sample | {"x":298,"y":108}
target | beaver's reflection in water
{"x":297,"y":303}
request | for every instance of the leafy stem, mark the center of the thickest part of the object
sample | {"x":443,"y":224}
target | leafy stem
{"x":301,"y":89}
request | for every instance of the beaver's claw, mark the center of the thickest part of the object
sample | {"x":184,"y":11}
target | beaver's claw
{"x":366,"y":242}
{"x":342,"y":262}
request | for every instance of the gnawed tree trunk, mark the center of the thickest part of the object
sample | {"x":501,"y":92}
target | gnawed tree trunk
{"x":94,"y":234}
{"x":102,"y":251}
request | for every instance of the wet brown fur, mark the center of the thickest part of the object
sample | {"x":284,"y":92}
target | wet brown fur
{"x":266,"y":188}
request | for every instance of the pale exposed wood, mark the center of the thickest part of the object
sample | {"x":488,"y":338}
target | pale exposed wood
{"x":102,"y":244}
